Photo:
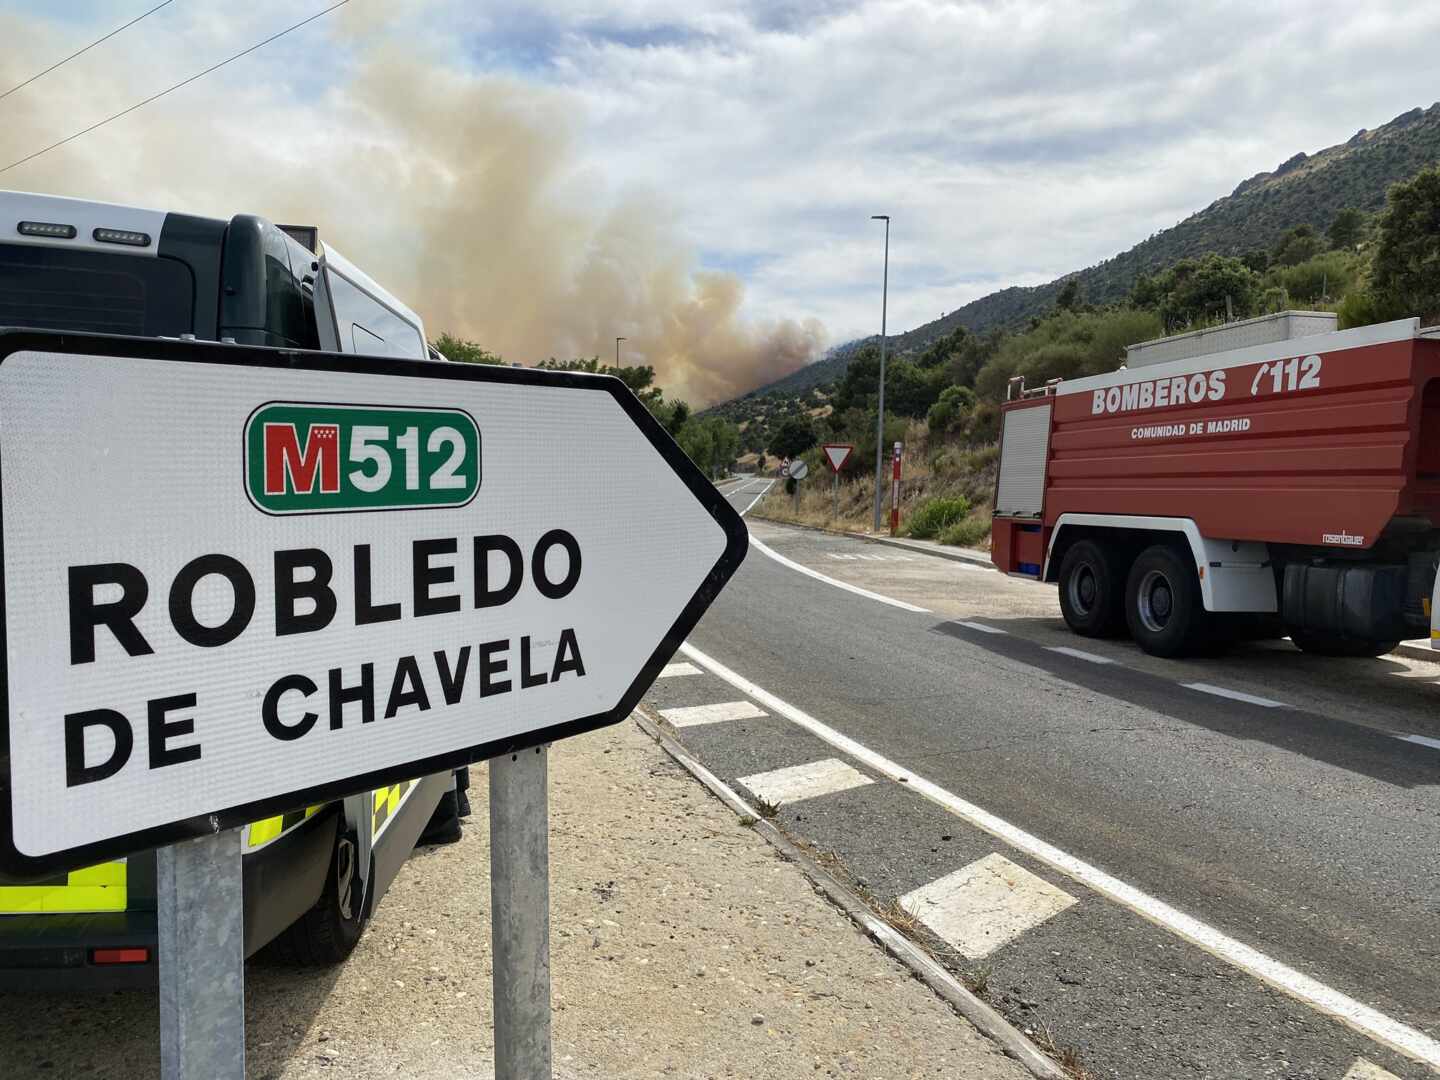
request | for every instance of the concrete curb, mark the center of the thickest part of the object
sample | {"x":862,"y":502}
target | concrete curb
{"x":986,"y":1020}
{"x":953,"y":554}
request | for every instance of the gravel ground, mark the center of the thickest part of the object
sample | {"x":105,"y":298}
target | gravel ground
{"x":682,"y":946}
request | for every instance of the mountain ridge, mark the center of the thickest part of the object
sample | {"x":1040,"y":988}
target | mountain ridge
{"x":1306,"y":188}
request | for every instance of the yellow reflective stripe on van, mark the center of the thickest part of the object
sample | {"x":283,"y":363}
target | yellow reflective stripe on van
{"x":260,"y":833}
{"x":387,"y":801}
{"x":94,"y":888}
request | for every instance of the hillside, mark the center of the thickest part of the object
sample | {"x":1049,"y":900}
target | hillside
{"x":1304,"y":189}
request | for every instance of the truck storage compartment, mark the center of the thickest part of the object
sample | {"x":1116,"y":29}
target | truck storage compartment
{"x":1353,"y":601}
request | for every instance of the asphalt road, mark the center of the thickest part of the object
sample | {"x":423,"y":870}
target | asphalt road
{"x":1294,"y":819}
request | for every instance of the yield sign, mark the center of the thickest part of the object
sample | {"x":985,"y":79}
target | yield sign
{"x":837,"y":454}
{"x":238,"y":581}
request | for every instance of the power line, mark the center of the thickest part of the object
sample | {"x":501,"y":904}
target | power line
{"x":97,"y":41}
{"x":171,"y":89}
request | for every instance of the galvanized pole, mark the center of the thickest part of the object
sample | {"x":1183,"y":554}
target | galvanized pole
{"x":202,"y":959}
{"x":880,"y":408}
{"x":520,"y":914}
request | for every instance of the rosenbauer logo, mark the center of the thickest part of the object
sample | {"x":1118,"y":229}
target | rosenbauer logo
{"x":1343,"y":538}
{"x":317,"y":458}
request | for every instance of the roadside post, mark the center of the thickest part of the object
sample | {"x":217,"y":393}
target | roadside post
{"x":187,"y":592}
{"x":836,"y":454}
{"x":895,"y":491}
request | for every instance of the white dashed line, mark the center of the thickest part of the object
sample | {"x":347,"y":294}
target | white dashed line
{"x":1234,"y":695}
{"x":1370,"y":1022}
{"x":1079,"y":654}
{"x":1423,"y":740}
{"x":693,"y":715}
{"x":669,"y":671}
{"x":985,"y":905}
{"x":982,"y":627}
{"x":805,"y":781}
{"x":1368,"y":1070}
{"x":757,"y":498}
{"x":783,"y":561}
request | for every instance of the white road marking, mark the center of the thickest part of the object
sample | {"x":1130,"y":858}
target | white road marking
{"x":983,"y":628}
{"x":1234,"y":695}
{"x":1368,"y":1070}
{"x":1423,"y":740}
{"x":798,"y":782}
{"x":1079,"y":654}
{"x":985,"y":905}
{"x":1370,"y":1022}
{"x":783,"y":561}
{"x":757,"y":498}
{"x":669,"y":671}
{"x":692,"y":715}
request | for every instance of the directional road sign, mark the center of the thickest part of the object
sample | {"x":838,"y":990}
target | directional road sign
{"x":837,"y":454}
{"x":239,"y":581}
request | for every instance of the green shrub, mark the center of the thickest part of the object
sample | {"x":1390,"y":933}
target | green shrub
{"x":967,"y":532}
{"x":934,"y":515}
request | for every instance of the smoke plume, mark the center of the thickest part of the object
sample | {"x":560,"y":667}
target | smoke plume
{"x":464,"y":194}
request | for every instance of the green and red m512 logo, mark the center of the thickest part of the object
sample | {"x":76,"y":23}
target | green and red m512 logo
{"x":312,"y":458}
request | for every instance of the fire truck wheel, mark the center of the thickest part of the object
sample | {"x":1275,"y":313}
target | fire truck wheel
{"x":1322,"y":645}
{"x":1092,"y":590}
{"x":1163,"y":604}
{"x":328,"y":932}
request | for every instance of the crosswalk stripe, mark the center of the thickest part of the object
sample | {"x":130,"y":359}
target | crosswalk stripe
{"x":692,"y":715}
{"x":985,"y":905}
{"x":798,"y":782}
{"x":1368,"y":1070}
{"x":669,"y":671}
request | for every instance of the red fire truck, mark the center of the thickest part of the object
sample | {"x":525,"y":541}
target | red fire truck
{"x":1269,"y":477}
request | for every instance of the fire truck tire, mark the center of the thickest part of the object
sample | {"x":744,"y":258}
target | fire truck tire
{"x":1323,"y":645}
{"x":1092,"y":590}
{"x":328,"y":933}
{"x":1163,"y":605}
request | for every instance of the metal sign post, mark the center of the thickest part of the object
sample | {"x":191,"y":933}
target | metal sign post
{"x":520,"y":914}
{"x":202,"y":959}
{"x":798,"y":471}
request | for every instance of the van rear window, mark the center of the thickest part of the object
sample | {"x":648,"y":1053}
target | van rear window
{"x":54,"y":289}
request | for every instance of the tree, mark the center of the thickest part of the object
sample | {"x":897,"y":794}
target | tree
{"x":1194,"y":291}
{"x":952,"y":411}
{"x":640,"y":378}
{"x":1069,"y":298}
{"x":793,"y":437}
{"x":1405,"y":278}
{"x":1298,"y":245}
{"x":460,"y":351}
{"x":1347,"y":229}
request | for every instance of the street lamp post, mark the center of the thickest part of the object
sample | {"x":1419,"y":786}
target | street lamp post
{"x":617,"y":350}
{"x":880,"y":410}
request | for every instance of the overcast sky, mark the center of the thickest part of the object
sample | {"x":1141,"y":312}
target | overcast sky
{"x":1011,"y":142}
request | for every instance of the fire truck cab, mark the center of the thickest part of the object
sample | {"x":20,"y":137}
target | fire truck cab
{"x":312,"y":876}
{"x":1270,"y":477}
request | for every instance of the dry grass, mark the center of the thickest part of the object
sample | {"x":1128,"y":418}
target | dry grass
{"x":1067,"y":1057}
{"x":766,"y":808}
{"x":899,"y":916}
{"x":933,"y":469}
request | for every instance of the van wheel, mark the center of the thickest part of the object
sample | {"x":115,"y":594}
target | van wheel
{"x":328,"y":933}
{"x":1163,"y":605}
{"x":1323,"y":645}
{"x":1092,"y":590}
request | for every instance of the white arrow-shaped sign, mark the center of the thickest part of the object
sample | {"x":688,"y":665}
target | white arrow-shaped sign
{"x":239,"y":581}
